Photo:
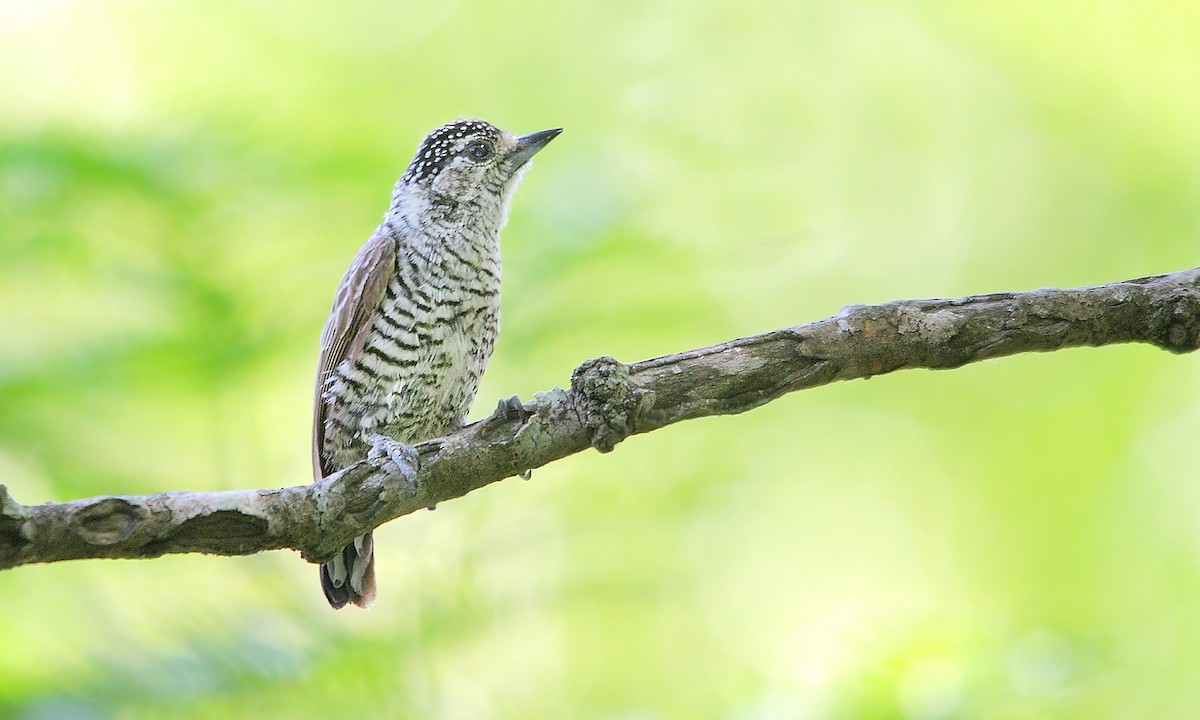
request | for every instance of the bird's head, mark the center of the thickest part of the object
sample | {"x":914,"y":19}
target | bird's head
{"x":469,"y":164}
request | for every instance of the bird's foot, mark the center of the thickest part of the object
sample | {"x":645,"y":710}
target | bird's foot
{"x":395,"y":458}
{"x":513,"y":409}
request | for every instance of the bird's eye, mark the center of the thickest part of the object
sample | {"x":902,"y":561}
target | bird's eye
{"x":478,"y":150}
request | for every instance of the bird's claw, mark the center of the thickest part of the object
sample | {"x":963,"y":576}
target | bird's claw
{"x":513,"y":409}
{"x":395,"y":458}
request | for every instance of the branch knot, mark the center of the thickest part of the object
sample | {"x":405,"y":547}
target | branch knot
{"x":1177,"y":324}
{"x":12,"y":528}
{"x":608,"y":401}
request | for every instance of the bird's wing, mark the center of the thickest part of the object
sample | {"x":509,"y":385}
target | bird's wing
{"x":354,"y":307}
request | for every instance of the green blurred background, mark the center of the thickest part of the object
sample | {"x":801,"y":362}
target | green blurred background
{"x":182,"y":185}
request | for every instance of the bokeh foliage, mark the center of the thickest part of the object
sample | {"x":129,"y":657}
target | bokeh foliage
{"x":182,"y":184}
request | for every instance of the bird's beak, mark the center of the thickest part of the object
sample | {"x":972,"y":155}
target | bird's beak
{"x":528,"y":145}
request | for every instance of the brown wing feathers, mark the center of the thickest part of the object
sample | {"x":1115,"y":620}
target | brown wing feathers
{"x":354,"y":307}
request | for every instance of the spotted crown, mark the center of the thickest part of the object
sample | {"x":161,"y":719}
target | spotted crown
{"x":441,"y":145}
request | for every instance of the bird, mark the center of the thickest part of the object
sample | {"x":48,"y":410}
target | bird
{"x":415,"y":319}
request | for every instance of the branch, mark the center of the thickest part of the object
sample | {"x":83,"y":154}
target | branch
{"x":607,"y":402}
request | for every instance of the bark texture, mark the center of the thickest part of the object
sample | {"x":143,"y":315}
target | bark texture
{"x":608,"y":401}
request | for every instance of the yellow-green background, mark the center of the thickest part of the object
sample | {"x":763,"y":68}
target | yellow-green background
{"x":182,"y":185}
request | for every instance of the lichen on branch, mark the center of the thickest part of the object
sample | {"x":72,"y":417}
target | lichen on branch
{"x":606,"y":402}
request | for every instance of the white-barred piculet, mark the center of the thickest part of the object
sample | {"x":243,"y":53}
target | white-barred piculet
{"x":414,"y":319}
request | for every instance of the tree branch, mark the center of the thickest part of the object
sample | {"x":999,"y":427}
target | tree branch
{"x":607,"y":402}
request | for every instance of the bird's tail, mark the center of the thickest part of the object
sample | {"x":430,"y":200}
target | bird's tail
{"x":350,"y":576}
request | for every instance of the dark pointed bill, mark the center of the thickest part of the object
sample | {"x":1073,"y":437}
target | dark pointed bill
{"x":528,"y":145}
